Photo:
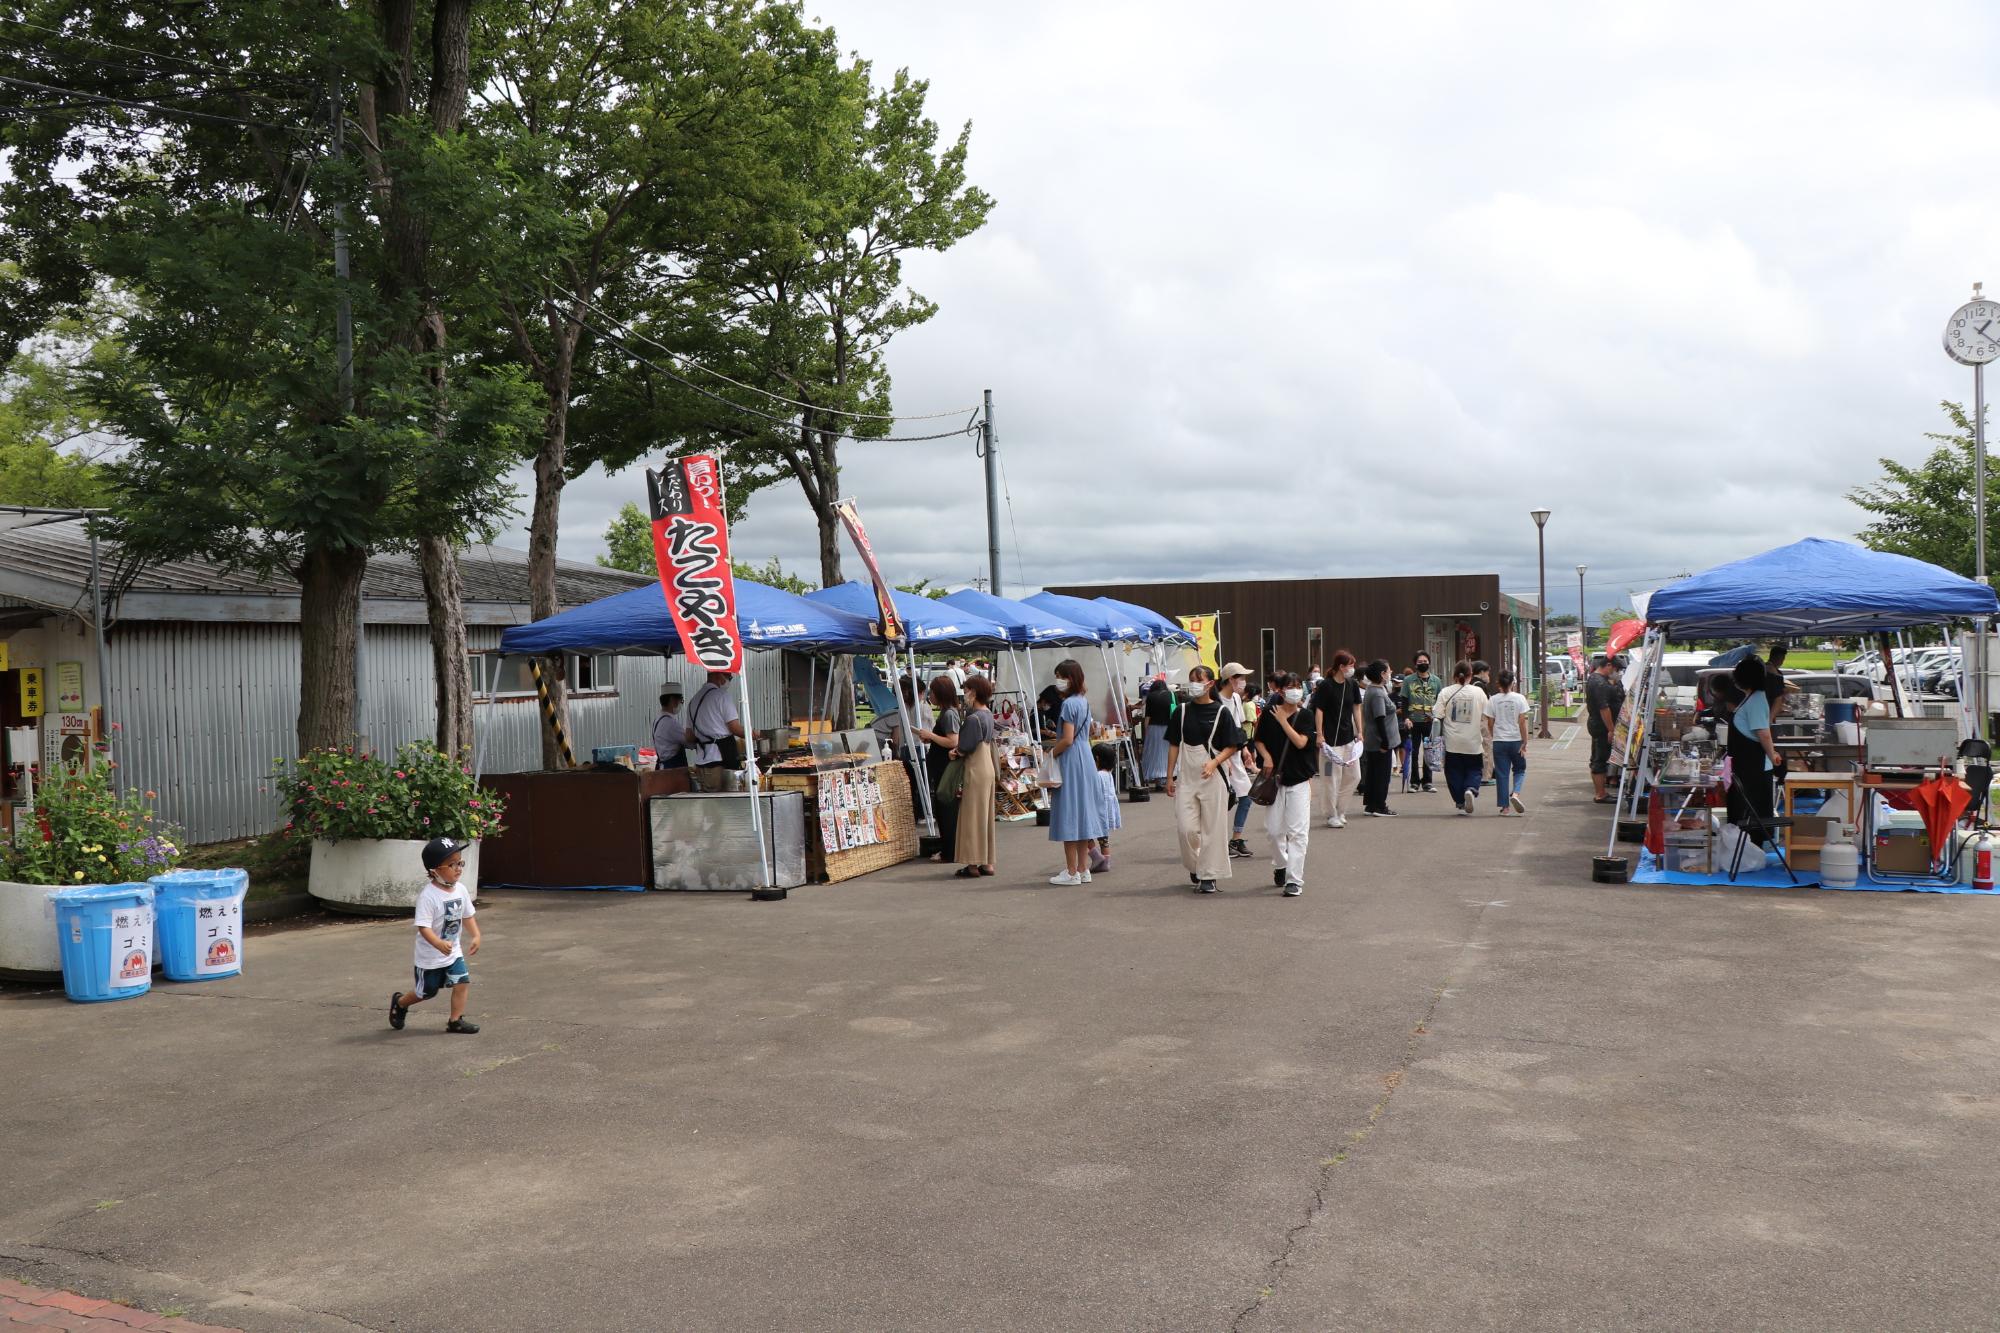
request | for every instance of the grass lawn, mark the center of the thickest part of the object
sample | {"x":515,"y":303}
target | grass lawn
{"x":277,"y":866}
{"x":1809,"y":661}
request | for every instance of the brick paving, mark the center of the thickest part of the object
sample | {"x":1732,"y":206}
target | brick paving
{"x":32,"y":1307}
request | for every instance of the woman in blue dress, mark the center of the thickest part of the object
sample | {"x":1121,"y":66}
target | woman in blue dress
{"x":1075,"y":820}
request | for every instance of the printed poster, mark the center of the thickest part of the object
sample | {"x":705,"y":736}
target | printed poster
{"x":691,"y":548}
{"x":218,"y":936}
{"x":131,"y":946}
{"x":69,"y":687}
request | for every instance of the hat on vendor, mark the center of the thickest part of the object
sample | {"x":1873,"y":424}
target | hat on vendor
{"x":1234,"y":669}
{"x":439,"y":850}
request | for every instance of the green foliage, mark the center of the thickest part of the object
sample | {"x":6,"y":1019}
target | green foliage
{"x":1563,"y":621}
{"x":47,"y":425}
{"x":924,"y":588}
{"x":628,"y":542}
{"x":1925,"y":511}
{"x":1615,"y":615}
{"x":83,"y":830}
{"x":773,"y":574}
{"x":347,"y":793}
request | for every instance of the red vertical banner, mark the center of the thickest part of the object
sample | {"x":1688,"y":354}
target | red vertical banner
{"x":850,"y":517}
{"x":691,"y":546}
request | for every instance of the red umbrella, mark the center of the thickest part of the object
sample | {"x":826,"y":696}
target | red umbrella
{"x":1623,"y":635}
{"x":1940,"y":800}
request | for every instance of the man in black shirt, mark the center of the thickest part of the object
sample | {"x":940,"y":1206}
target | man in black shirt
{"x":1603,"y":696}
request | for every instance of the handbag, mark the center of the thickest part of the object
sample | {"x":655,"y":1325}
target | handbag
{"x":1264,"y":791}
{"x":951,"y":782}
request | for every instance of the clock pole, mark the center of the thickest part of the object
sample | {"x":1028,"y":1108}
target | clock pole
{"x":1979,"y":529}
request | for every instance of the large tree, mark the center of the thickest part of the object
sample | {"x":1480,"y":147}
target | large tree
{"x":185,"y":161}
{"x":1925,"y":509}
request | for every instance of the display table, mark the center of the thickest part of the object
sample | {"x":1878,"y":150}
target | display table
{"x":575,"y":828}
{"x":857,"y":819}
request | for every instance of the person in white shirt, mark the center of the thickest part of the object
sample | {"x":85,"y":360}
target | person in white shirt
{"x":714,"y":732}
{"x":1460,"y":712}
{"x":444,"y":910}
{"x":1504,"y":712}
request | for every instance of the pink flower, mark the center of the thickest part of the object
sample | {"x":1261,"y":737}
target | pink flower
{"x":427,"y":821}
{"x":371,"y":809}
{"x":401,"y":774}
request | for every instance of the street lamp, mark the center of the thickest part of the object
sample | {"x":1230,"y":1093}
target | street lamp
{"x":1541,"y":517}
{"x":1582,"y":623}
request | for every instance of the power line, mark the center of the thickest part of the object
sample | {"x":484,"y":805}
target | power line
{"x":153,"y":55}
{"x":138,"y":105}
{"x":786,"y":422}
{"x":774,"y":397}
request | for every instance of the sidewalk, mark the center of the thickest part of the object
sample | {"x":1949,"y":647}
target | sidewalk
{"x":23,"y":1304}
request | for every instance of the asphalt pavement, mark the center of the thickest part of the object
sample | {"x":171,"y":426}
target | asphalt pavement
{"x":1455,"y":1085}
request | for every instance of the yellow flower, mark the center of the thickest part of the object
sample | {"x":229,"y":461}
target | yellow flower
{"x":79,"y":874}
{"x":102,"y":857}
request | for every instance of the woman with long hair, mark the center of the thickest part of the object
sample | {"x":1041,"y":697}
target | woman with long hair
{"x":1200,"y":744}
{"x":940,"y":737}
{"x":975,"y":803}
{"x":1336,"y":710}
{"x":1074,"y":818}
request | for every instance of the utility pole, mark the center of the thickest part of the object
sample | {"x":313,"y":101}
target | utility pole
{"x":1582,"y":625}
{"x":1541,"y":517}
{"x":987,"y":448}
{"x":343,"y":354}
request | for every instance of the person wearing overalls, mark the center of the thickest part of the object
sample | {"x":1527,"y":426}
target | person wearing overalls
{"x":1200,"y":743}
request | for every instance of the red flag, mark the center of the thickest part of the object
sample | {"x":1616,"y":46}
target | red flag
{"x":691,"y":547}
{"x":891,"y":627}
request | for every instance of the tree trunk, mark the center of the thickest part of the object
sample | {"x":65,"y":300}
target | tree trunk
{"x":542,"y":526}
{"x":444,"y":591}
{"x":329,"y":611}
{"x":829,"y":546}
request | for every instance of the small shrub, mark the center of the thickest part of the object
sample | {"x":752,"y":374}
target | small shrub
{"x":341,"y":794}
{"x":83,"y":830}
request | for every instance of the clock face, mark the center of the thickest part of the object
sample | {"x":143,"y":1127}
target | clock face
{"x":1972,"y":337}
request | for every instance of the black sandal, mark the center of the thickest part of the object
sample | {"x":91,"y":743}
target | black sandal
{"x":967,"y":872}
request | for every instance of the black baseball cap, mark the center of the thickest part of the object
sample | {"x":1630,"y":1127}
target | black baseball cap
{"x":439,"y":850}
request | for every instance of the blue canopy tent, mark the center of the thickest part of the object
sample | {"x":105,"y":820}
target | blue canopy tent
{"x":1110,"y":625}
{"x":638,"y":621}
{"x":932,"y":623}
{"x":1027,"y":623}
{"x":1811,"y":587}
{"x":1815,"y":586}
{"x":1163,"y":630}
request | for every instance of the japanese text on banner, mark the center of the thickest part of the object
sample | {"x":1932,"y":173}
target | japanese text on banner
{"x":691,"y":547}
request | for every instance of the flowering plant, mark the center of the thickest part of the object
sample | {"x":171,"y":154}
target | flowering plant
{"x":347,"y":793}
{"x":83,"y":830}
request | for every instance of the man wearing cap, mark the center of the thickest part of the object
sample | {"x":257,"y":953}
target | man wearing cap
{"x":714,"y":732}
{"x":1603,"y":696}
{"x":1235,"y":680}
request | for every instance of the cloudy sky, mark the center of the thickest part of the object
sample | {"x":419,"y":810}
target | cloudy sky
{"x":1348,"y":289}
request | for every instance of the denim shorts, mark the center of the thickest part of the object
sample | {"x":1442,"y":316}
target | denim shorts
{"x":431,"y":980}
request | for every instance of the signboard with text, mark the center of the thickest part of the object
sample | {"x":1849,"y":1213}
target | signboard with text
{"x":33,"y":701}
{"x":891,"y":626}
{"x":69,"y":687}
{"x":691,"y":547}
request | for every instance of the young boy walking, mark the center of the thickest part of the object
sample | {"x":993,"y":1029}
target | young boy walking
{"x":444,"y":909}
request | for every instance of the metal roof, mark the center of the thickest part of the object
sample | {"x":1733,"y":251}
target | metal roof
{"x":48,"y":564}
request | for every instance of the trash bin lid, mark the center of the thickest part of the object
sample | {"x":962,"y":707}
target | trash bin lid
{"x":104,"y":893}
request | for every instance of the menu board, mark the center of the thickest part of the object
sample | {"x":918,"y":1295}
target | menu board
{"x":851,"y":810}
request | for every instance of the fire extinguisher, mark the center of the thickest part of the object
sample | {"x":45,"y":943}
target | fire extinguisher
{"x":1982,"y":862}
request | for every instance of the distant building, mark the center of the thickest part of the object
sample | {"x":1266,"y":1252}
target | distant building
{"x":1295,"y":624}
{"x":203,"y":666}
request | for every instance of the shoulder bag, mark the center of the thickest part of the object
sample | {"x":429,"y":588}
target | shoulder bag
{"x":1221,"y":771}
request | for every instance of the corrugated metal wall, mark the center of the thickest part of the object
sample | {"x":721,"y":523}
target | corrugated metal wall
{"x":205,"y":711}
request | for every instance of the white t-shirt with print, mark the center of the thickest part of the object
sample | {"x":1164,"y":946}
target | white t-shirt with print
{"x":444,"y":911}
{"x":1459,"y":711}
{"x":1507,"y":710}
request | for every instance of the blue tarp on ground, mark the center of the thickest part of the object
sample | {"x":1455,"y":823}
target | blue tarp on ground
{"x":1816,"y":587}
{"x":1648,"y":872}
{"x":1163,"y":629}
{"x":638,"y":622}
{"x":1028,"y":625}
{"x":933,"y":624}
{"x":1109,"y":626}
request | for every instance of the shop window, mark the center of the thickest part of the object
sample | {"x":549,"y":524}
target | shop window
{"x":1268,"y":651}
{"x":510,"y":677}
{"x":1315,"y":649}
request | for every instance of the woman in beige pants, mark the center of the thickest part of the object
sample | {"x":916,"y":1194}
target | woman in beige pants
{"x":1336,"y":710}
{"x":1200,"y":741}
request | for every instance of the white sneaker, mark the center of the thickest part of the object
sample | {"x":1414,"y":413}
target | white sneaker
{"x":1065,"y":878}
{"x":1519,"y":806}
{"x":1086,"y":877}
{"x":1333,"y":821}
{"x":1467,"y":804}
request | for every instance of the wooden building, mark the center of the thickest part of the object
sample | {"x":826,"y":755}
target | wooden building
{"x":1294,"y":624}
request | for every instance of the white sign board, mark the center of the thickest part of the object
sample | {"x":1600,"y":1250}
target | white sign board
{"x":218,"y":935}
{"x":131,"y":946}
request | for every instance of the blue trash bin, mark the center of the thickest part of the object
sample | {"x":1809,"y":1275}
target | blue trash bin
{"x":201,"y":923}
{"x":105,"y":932}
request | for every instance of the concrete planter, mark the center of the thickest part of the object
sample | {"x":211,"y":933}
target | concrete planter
{"x":28,"y":949}
{"x":375,"y":877}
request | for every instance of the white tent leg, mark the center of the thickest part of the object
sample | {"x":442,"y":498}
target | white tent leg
{"x":750,"y":782}
{"x":1124,"y":707}
{"x":1646,"y":673}
{"x":919,"y":774}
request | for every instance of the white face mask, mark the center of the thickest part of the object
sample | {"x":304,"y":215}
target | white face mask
{"x":1193,"y":689}
{"x":1294,"y":696}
